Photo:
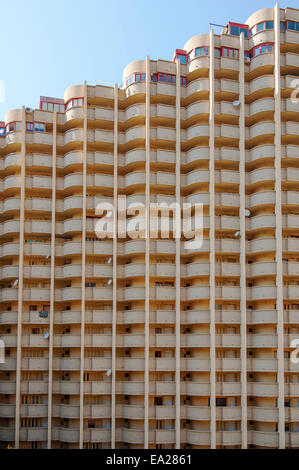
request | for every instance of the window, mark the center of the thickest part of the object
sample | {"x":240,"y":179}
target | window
{"x":76,"y":102}
{"x":183,"y":81}
{"x":183,"y":58}
{"x":29,"y":127}
{"x":201,"y":51}
{"x":259,"y":27}
{"x":269,"y":24}
{"x":282,"y":26}
{"x":261,"y":49}
{"x":11,"y":127}
{"x":39,"y":127}
{"x":292,"y":25}
{"x":2,"y":131}
{"x":158,"y":401}
{"x":229,"y":52}
{"x":217,"y":52}
{"x":59,"y":107}
{"x":234,"y":30}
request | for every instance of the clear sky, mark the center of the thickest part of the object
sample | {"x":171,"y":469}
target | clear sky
{"x":49,"y":45}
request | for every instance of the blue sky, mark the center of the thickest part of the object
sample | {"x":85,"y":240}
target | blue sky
{"x":50,"y":45}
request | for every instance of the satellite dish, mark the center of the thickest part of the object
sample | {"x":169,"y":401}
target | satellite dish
{"x":237,"y":234}
{"x":236,"y":103}
{"x":48,"y":256}
{"x":247,"y":59}
{"x":109,"y":260}
{"x":109,"y":373}
{"x":247,"y":213}
{"x":109,"y":282}
{"x":109,"y":214}
{"x":16,"y":282}
{"x":46,"y":336}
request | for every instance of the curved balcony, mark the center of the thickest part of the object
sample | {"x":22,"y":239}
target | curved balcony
{"x":72,"y":203}
{"x":228,"y":246}
{"x":66,"y":388}
{"x":69,"y":294}
{"x":262,"y":341}
{"x":74,"y":136}
{"x":103,"y":247}
{"x":262,"y":365}
{"x":198,"y":198}
{"x":198,"y":131}
{"x":198,"y":438}
{"x":98,"y":293}
{"x":261,"y":245}
{"x":260,"y":106}
{"x":261,"y":129}
{"x":261,"y":198}
{"x":261,"y":222}
{"x":196,"y":154}
{"x":227,"y":223}
{"x":134,"y":156}
{"x":69,"y":435}
{"x":261,"y":83}
{"x":196,"y":177}
{"x":195,"y":293}
{"x":263,"y":439}
{"x":260,"y":152}
{"x":38,"y":227}
{"x":227,"y":269}
{"x":38,"y":272}
{"x":261,"y":175}
{"x":200,"y":85}
{"x":72,"y":248}
{"x":9,"y":295}
{"x":12,"y":160}
{"x":261,"y":269}
{"x":262,"y":292}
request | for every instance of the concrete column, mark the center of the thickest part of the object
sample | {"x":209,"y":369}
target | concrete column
{"x":20,"y":284}
{"x":114,"y":307}
{"x":278,"y":212}
{"x":147,"y":250}
{"x":52,"y":288}
{"x":178,"y":259}
{"x":243,"y":304}
{"x":212,"y":247}
{"x":83,"y":268}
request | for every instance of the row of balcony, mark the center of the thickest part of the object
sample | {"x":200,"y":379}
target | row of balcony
{"x":156,"y":270}
{"x":155,"y":364}
{"x":167,"y":317}
{"x":40,"y":294}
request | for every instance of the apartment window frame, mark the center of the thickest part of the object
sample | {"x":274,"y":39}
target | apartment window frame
{"x":295,"y":23}
{"x":238,"y":30}
{"x":77,"y":102}
{"x":49,"y":106}
{"x":11,"y":127}
{"x":269,"y":48}
{"x":35,"y":126}
{"x":200,"y":49}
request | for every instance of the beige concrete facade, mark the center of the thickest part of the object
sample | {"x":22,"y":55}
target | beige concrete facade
{"x":123,"y":343}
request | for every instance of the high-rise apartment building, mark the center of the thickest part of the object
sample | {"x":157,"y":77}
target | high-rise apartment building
{"x":133,"y":343}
